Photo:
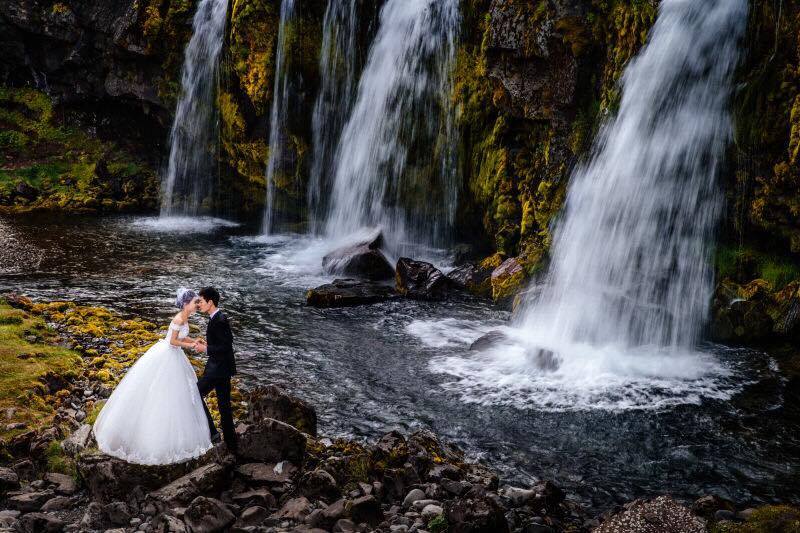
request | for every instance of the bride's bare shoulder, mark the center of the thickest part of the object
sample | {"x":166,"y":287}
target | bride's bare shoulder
{"x":178,"y":320}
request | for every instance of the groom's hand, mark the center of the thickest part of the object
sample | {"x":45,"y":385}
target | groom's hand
{"x":201,"y":347}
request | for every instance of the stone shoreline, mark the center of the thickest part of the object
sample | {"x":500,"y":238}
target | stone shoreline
{"x":286,"y":477}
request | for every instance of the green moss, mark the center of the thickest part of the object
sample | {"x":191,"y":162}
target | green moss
{"x":24,"y":361}
{"x":767,"y":519}
{"x":438,"y":524}
{"x":743,"y":264}
{"x":58,"y":461}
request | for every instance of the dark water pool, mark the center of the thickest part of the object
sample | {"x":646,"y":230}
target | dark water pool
{"x":372,"y":369}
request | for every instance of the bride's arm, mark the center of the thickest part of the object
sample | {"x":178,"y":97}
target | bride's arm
{"x":186,"y":342}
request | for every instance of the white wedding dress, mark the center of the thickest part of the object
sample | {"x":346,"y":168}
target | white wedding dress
{"x":155,"y":415}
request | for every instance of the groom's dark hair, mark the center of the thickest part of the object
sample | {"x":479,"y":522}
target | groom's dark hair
{"x":210,"y":293}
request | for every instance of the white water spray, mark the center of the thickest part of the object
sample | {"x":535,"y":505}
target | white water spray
{"x":278,"y":133}
{"x":629,"y":285}
{"x":189,"y":176}
{"x":394,"y":160}
{"x":337,"y":66}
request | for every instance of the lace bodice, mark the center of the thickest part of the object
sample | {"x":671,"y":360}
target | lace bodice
{"x":183,"y":330}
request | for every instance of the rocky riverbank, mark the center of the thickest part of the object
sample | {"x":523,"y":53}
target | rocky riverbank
{"x":286,"y":477}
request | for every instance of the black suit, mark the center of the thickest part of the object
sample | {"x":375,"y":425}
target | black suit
{"x":221,"y":365}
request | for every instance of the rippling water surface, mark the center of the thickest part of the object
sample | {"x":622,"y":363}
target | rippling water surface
{"x":402,"y":364}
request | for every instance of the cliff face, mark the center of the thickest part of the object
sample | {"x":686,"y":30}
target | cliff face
{"x":533,"y":82}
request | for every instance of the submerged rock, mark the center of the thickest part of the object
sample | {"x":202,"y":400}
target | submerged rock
{"x":362,"y":259}
{"x":489,"y":340}
{"x":421,"y":280}
{"x":349,"y":293}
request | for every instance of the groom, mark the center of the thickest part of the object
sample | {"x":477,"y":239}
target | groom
{"x":220,"y":366}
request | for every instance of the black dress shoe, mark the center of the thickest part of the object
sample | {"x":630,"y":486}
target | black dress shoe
{"x":215,"y":438}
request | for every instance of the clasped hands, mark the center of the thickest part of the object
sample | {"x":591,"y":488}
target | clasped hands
{"x":200,"y":346}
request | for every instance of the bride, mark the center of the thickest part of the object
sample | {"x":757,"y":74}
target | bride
{"x":155,"y":415}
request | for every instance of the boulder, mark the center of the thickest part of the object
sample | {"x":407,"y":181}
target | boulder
{"x":490,"y":340}
{"x":349,"y":293}
{"x":472,"y":278}
{"x":271,"y":441}
{"x":319,"y":484}
{"x":64,"y":484}
{"x":478,"y":515}
{"x":28,"y":501}
{"x":256,"y":497}
{"x":707,"y":506}
{"x":117,"y":513}
{"x":662,"y":514}
{"x":295,"y":509}
{"x":78,"y":441}
{"x":507,"y":279}
{"x":167,"y":523}
{"x":365,"y":509}
{"x":252,"y":516}
{"x":420,"y":280}
{"x":208,"y":515}
{"x":362,"y":259}
{"x":109,"y":479}
{"x":40,"y":523}
{"x":204,"y":480}
{"x":9,"y":480}
{"x":413,"y":496}
{"x":267,"y":474}
{"x":273,"y":402}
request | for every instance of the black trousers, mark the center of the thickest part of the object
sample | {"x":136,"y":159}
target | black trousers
{"x":222,"y":385}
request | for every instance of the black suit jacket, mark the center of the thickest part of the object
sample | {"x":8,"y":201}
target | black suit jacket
{"x":221,"y":362}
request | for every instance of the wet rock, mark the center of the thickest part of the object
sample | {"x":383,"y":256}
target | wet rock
{"x":349,"y":293}
{"x":271,"y":441}
{"x":9,"y":480}
{"x":472,"y":278}
{"x":208,"y":515}
{"x":363,"y":259}
{"x":420,"y":280}
{"x":273,"y":402}
{"x":488,"y":341}
{"x":366,"y":509}
{"x":335,"y":511}
{"x":507,"y":279}
{"x":267,"y":474}
{"x":40,"y":523}
{"x":28,"y":501}
{"x":204,"y":480}
{"x":518,"y":497}
{"x":663,"y":514}
{"x":295,"y":509}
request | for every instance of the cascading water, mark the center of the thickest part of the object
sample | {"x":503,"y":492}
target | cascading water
{"x":337,"y":65}
{"x":394,"y":160}
{"x":629,"y":285}
{"x":278,"y":134}
{"x":189,"y":178}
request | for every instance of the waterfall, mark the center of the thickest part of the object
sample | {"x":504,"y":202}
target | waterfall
{"x":189,"y":176}
{"x":617,"y":321}
{"x":278,"y":133}
{"x":394,"y":161}
{"x":337,"y":66}
{"x":630,"y":255}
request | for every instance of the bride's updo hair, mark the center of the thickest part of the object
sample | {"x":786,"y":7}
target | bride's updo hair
{"x":184,"y":296}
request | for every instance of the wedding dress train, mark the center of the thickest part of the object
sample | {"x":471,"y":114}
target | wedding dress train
{"x":155,"y":415}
